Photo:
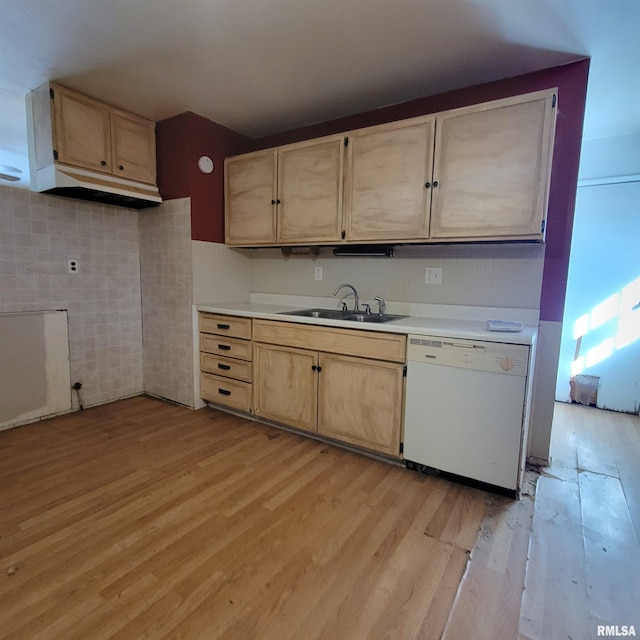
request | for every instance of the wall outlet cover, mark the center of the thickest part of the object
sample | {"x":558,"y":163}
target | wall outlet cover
{"x":433,"y":275}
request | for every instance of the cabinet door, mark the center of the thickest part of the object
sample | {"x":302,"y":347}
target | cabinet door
{"x":133,"y":145}
{"x":250,"y":209}
{"x":360,"y":401}
{"x":81,"y":131}
{"x":388,"y":168}
{"x":492,"y":166}
{"x":285,"y":385}
{"x":310,"y":191}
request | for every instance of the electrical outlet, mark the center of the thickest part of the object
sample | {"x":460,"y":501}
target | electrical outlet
{"x":318,"y":273}
{"x":72,"y":265}
{"x":433,"y":275}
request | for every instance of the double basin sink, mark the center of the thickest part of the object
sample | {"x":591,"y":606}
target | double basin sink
{"x":335,"y":314}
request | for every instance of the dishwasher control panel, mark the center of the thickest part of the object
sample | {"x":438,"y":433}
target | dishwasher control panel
{"x":497,"y":357}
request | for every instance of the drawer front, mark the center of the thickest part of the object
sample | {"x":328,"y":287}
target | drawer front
{"x":230,"y":393}
{"x":227,"y":367}
{"x":223,"y":346}
{"x":366,"y":344}
{"x":225,"y":325}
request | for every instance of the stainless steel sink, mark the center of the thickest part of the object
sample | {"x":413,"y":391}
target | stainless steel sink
{"x":335,"y":314}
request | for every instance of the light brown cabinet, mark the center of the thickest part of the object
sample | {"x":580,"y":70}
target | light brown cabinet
{"x":332,"y":382}
{"x":492,"y":168}
{"x":476,"y":173}
{"x":76,"y":130}
{"x":388,"y":169}
{"x":285,"y":385}
{"x":360,"y":402}
{"x":289,"y":195}
{"x":226,"y":360}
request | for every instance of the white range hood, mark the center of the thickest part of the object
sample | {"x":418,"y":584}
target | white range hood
{"x":98,"y":187}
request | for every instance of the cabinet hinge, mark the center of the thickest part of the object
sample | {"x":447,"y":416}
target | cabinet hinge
{"x":542,"y":226}
{"x":52,"y":93}
{"x":404,"y":371}
{"x":346,"y":141}
{"x":554,"y":99}
{"x":402,"y":447}
{"x":55,"y":154}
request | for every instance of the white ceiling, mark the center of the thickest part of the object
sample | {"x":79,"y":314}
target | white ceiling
{"x":262,"y":66}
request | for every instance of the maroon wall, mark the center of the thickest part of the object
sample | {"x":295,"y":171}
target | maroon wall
{"x":184,"y":138}
{"x":571,"y":81}
{"x":181,"y":140}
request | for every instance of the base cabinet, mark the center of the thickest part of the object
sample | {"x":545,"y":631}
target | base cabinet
{"x":285,"y":385}
{"x":360,"y":402}
{"x":225,"y":360}
{"x":343,"y":396}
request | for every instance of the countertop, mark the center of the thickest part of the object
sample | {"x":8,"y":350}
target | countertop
{"x":434,"y":326}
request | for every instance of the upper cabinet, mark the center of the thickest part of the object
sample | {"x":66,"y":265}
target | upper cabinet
{"x":250,"y":199}
{"x":289,"y":195}
{"x":90,"y":134}
{"x":387,"y":193}
{"x":476,"y":173}
{"x":491,"y":170}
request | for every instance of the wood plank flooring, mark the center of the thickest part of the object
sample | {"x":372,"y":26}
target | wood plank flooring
{"x":584,"y":557}
{"x":140,"y":519}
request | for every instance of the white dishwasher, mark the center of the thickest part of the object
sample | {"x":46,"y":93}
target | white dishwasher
{"x":464,"y":409}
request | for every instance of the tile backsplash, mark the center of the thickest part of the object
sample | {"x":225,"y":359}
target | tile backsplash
{"x":38,"y":235}
{"x":167,"y":295}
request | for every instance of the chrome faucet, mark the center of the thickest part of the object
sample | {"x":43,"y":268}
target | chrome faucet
{"x":382,"y":305}
{"x":356,"y":302}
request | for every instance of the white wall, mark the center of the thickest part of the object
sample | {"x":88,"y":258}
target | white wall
{"x":604,"y":262}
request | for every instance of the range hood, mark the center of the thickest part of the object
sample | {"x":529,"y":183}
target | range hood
{"x":98,"y":187}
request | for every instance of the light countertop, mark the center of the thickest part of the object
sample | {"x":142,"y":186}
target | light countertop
{"x":473,"y":329}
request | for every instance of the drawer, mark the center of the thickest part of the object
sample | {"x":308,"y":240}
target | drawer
{"x":221,"y":345}
{"x":230,"y":393}
{"x":351,"y":342}
{"x":225,"y":325}
{"x":227,"y":367}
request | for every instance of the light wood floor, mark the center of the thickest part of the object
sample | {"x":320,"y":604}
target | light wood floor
{"x":140,"y":519}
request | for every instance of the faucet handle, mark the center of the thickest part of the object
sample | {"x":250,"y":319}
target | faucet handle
{"x":367,"y":308}
{"x":382,"y":305}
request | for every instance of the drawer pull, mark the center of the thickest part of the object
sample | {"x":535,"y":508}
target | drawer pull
{"x":224,"y":367}
{"x":224,"y":326}
{"x":224,"y":347}
{"x":224,"y":392}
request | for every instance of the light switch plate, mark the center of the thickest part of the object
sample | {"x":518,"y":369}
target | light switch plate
{"x":433,"y":275}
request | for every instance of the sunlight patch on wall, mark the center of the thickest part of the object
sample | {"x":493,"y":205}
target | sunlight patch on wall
{"x":623,"y":307}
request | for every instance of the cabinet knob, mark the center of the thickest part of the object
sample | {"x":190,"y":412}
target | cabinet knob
{"x":435,"y":183}
{"x":314,"y":368}
{"x":427,"y":185}
{"x":103,"y":163}
{"x":273,"y":202}
{"x":278,"y":201}
{"x":121,"y":168}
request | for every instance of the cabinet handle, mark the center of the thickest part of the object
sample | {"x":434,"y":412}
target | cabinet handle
{"x":427,"y":185}
{"x":121,"y":168}
{"x":278,"y":201}
{"x":224,"y":367}
{"x":223,"y":326}
{"x":103,"y":163}
{"x":435,"y":183}
{"x":224,"y":347}
{"x":319,"y":368}
{"x":314,"y":368}
{"x":224,"y":392}
{"x":273,"y":202}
